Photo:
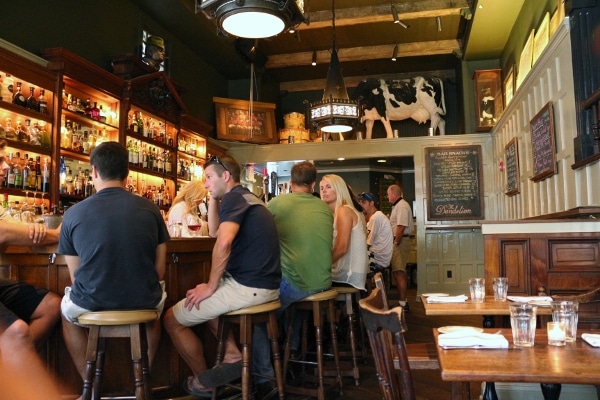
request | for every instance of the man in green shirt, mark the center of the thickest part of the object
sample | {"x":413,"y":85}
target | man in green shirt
{"x":305,"y":228}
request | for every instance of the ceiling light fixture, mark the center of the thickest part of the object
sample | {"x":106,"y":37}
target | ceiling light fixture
{"x":314,"y":58}
{"x":396,"y":19}
{"x":335,"y":112}
{"x":438,"y":21}
{"x":395,"y":53}
{"x":255,"y":19}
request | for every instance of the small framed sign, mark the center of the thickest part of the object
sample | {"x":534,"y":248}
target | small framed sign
{"x":511,"y":156}
{"x":542,"y":144}
{"x":242,"y":121}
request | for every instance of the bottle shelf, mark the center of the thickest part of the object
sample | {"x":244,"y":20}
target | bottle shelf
{"x":82,"y":119}
{"x":151,"y":172}
{"x":25,"y":147}
{"x":136,"y":136}
{"x":25,"y":112}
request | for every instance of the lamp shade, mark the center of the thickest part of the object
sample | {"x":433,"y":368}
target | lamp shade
{"x":253,"y":19}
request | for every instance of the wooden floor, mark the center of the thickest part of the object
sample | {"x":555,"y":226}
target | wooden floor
{"x":428,"y":383}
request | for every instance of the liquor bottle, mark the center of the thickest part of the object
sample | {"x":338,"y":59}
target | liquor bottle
{"x":69,"y":188}
{"x":85,"y":143}
{"x":18,"y":169}
{"x":140,"y":123}
{"x":72,"y":106}
{"x":168,"y":163}
{"x":46,"y":175}
{"x":103,"y":115}
{"x":18,"y":97}
{"x":136,"y":153}
{"x":42,"y":102}
{"x":65,"y":99}
{"x":32,"y":179}
{"x":25,"y":170}
{"x":133,"y":126}
{"x":31,"y":101}
{"x":129,"y":152}
{"x":22,"y":132}
{"x":39,"y":178}
{"x":95,"y":112}
{"x":9,"y":130}
{"x":10,"y":178}
{"x":5,"y":203}
{"x":35,"y":134}
{"x":7,"y":88}
{"x":144,"y":156}
{"x":62,"y":175}
{"x":88,"y":108}
{"x":80,"y":107}
{"x":89,"y":185}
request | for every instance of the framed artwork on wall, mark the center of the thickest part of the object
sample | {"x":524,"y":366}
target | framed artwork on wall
{"x":543,"y":147}
{"x":241,"y":121}
{"x":488,"y":94}
{"x":509,"y":86}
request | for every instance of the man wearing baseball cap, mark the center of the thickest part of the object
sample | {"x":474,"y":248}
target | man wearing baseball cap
{"x":380,"y":238}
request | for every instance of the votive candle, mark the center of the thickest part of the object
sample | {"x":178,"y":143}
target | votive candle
{"x":556,"y":333}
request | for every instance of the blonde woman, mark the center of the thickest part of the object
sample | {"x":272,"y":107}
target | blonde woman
{"x":186,"y":202}
{"x":350,"y":261}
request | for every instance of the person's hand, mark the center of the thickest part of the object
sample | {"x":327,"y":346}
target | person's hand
{"x":194,"y":296}
{"x":37,"y":232}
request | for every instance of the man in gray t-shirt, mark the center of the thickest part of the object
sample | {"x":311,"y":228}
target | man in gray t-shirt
{"x":380,"y":238}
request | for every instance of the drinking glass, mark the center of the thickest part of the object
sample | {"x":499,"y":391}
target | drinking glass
{"x":566,"y":312}
{"x":193,"y":224}
{"x":500,"y":286}
{"x":477,"y":287}
{"x":523,"y":322}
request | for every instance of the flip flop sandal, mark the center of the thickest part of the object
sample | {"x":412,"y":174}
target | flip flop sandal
{"x":221,"y":374}
{"x":185,"y":386}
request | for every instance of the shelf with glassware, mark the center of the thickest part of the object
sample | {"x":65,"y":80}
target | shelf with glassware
{"x":26,"y":128}
{"x":191,"y":153}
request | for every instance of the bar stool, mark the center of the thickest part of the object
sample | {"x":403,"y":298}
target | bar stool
{"x":350,"y":296}
{"x":117,"y":324}
{"x":318,"y":303}
{"x":246,"y":318}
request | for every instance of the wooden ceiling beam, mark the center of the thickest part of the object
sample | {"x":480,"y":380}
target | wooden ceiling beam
{"x":366,"y":53}
{"x":407,"y":10}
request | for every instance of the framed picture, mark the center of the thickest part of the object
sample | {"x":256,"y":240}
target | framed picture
{"x":236,"y":121}
{"x":525,"y":61}
{"x":509,"y":86}
{"x":511,"y":155}
{"x":488,"y":94}
{"x":541,"y":38}
{"x":542,"y":144}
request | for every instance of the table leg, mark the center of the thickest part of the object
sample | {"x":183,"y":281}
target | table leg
{"x":551,"y":391}
{"x":489,"y":393}
{"x":461,"y":391}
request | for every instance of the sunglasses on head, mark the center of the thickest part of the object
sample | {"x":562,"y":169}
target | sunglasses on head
{"x":215,"y":159}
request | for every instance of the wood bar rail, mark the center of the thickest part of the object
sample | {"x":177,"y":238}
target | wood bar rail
{"x":188,"y":263}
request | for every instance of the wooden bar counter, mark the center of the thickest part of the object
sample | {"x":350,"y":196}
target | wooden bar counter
{"x":188,"y":263}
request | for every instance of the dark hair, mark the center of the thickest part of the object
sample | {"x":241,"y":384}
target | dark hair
{"x":225,"y":163}
{"x":353,"y":197}
{"x":304,"y":173}
{"x":111,"y":161}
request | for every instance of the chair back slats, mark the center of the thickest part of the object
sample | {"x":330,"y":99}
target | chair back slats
{"x":381,"y":324}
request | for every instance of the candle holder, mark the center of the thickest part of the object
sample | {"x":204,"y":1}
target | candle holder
{"x":557,"y":333}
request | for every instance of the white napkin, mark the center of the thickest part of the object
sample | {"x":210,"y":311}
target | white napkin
{"x":470,"y":339}
{"x":527,"y":299}
{"x":592,"y":339}
{"x":447,"y":299}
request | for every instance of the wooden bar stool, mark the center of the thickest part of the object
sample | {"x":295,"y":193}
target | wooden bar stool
{"x":319,"y":304}
{"x":117,"y":324}
{"x":348,"y":297}
{"x":246,"y":318}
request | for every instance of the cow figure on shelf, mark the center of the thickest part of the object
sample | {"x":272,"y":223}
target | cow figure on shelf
{"x":419,"y":98}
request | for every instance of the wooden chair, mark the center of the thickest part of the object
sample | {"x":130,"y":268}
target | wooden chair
{"x":420,"y":355}
{"x":381,"y":324}
{"x":112,"y":324}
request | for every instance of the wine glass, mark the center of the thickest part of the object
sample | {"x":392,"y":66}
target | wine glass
{"x":193,"y":224}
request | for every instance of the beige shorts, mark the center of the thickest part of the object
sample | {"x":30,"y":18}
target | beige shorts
{"x":230,"y":296}
{"x":400,"y":255}
{"x":72,"y":311}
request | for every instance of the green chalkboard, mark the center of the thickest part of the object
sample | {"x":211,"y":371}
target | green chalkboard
{"x":511,"y":155}
{"x":454,"y":183}
{"x":542,"y":144}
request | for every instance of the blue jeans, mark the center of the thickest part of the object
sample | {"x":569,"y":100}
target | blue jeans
{"x":261,"y":345}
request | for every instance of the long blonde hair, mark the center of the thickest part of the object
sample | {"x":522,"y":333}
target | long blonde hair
{"x":192,"y":194}
{"x":342,"y":194}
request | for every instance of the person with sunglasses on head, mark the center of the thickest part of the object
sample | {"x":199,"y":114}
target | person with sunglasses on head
{"x":380,"y":238}
{"x":245,"y":271}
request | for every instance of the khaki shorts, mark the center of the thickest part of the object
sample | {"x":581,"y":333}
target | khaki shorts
{"x":400,"y":255}
{"x":72,"y":311}
{"x":230,"y":296}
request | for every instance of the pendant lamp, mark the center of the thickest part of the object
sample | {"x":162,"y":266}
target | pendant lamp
{"x":254,"y":19}
{"x":335,"y":112}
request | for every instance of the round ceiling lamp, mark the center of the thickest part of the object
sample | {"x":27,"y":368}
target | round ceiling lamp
{"x":254,"y":19}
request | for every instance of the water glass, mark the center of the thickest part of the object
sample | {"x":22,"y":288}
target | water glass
{"x":500,"y":286}
{"x":566,"y":312}
{"x":175,"y":229}
{"x":477,"y":287}
{"x":523,"y":322}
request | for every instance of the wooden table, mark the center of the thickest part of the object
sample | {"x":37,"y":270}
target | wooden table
{"x":488,"y":309}
{"x":576,"y":363}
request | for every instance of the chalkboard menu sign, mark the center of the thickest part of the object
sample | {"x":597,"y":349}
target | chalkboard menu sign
{"x":542,"y":144}
{"x":454,"y":183}
{"x":511,"y":154}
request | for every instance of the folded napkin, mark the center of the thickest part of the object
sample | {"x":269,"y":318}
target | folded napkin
{"x":447,"y":299}
{"x":470,"y":339}
{"x":592,"y":339}
{"x":527,"y":299}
